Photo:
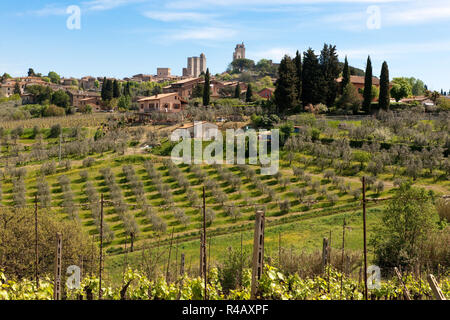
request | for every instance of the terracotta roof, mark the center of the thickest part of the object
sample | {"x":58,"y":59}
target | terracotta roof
{"x":157,"y":97}
{"x":184,"y":81}
{"x":270,"y":89}
{"x":360,"y":80}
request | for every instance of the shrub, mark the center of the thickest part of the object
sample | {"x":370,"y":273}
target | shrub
{"x":88,"y":162}
{"x":443,"y":208}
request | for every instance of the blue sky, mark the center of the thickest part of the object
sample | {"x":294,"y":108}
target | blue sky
{"x":120,"y":38}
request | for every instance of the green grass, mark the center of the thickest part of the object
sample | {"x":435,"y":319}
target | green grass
{"x":305,"y":235}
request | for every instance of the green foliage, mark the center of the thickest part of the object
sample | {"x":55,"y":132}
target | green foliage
{"x":367,"y":93}
{"x":54,"y":111}
{"x":384,"y":99}
{"x":61,"y":99}
{"x":350,"y":99}
{"x":408,"y":222}
{"x":313,"y":80}
{"x":240,"y":65}
{"x":207,"y":89}
{"x":249,"y":94}
{"x":54,"y":77}
{"x":18,"y":229}
{"x":286,"y":96}
{"x":401,"y":89}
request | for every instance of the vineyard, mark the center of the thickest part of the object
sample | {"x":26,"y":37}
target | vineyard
{"x":79,"y":172}
{"x":273,"y":285}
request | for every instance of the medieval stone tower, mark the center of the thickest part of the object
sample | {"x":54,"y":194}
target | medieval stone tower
{"x":195,"y":66}
{"x":239,"y":52}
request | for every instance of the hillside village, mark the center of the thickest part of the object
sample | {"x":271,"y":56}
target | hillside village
{"x":165,"y":92}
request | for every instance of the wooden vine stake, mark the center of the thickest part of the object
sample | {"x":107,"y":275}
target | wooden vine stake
{"x":182,"y":264}
{"x":325,"y":255}
{"x":435,"y":288}
{"x":399,"y":276}
{"x":258,"y":252}
{"x":58,"y":263}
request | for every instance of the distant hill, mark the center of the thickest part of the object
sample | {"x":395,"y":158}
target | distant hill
{"x":353,"y":71}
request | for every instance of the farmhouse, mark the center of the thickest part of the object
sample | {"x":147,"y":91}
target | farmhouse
{"x":166,"y":102}
{"x":94,"y":101}
{"x":183,"y":88}
{"x":76,"y":97}
{"x":358,"y":81}
{"x":227,"y":88}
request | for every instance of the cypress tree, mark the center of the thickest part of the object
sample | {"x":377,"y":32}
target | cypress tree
{"x":237,"y":91}
{"x":329,"y":63}
{"x":109,"y":91}
{"x":384,"y":98}
{"x":286,"y":96}
{"x":206,"y":89}
{"x":345,"y":75}
{"x":298,"y":72}
{"x":368,"y":86}
{"x":103,"y":94}
{"x":127,"y":90}
{"x":249,"y":93}
{"x":116,"y":89}
{"x":312,"y":91}
{"x":17,"y":88}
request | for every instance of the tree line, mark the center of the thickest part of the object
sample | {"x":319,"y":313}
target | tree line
{"x":312,"y":79}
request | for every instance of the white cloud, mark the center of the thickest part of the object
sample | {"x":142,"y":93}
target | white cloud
{"x":275,"y":54}
{"x":167,"y":16}
{"x":101,"y":5}
{"x":182,"y":4}
{"x":418,"y":15}
{"x":207,"y":33}
{"x":415,"y":12}
{"x":48,"y":10}
{"x":396,"y":50}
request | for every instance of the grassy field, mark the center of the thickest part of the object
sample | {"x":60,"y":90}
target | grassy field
{"x":303,"y":235}
{"x":302,"y":208}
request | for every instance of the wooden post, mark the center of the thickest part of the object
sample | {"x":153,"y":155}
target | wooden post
{"x":101,"y":251}
{"x":324,"y":254}
{"x":435,"y":288}
{"x":36,"y":252}
{"x":168,"y":260}
{"x":342,"y":258}
{"x":406,"y":291}
{"x":58,"y":263}
{"x":182,"y":265}
{"x":258,"y":252}
{"x":279,"y":249}
{"x":364,"y":234}
{"x":204,"y":244}
{"x":242,"y":262}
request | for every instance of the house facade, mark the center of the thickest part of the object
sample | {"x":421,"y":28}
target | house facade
{"x":183,"y":88}
{"x":166,"y":102}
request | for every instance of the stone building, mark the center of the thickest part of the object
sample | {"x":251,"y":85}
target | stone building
{"x":166,"y":102}
{"x":239,"y":52}
{"x":195,"y":66}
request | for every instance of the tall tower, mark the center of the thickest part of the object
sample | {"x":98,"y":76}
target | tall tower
{"x":202,"y":63}
{"x":195,"y":66}
{"x":239,"y":52}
